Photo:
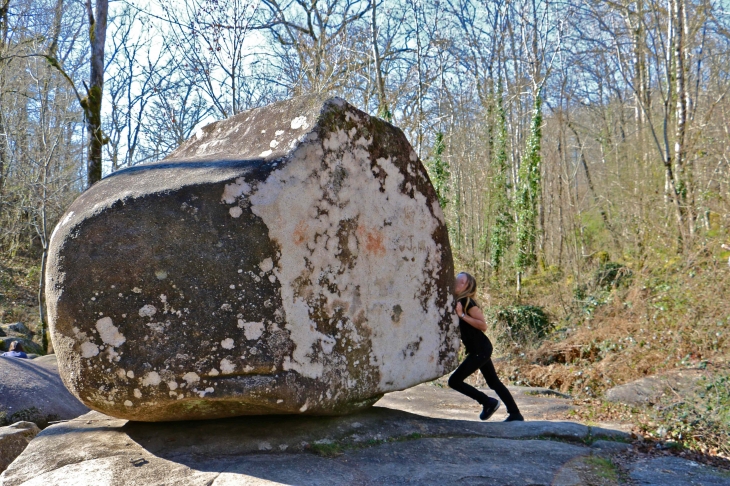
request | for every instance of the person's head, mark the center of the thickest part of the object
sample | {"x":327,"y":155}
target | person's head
{"x":15,"y":346}
{"x":465,"y":286}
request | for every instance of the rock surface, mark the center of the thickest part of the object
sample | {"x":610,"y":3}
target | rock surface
{"x":290,"y":259}
{"x":13,"y":441}
{"x":675,"y":471}
{"x":442,"y":443}
{"x":32,"y":390}
{"x":649,"y":390}
{"x":381,"y":445}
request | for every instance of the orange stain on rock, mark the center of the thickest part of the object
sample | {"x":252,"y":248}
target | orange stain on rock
{"x":373,"y":240}
{"x":300,"y":233}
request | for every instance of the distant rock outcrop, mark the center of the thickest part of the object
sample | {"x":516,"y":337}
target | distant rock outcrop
{"x":29,"y":346}
{"x":17,"y":331}
{"x":31,"y":390}
{"x":17,"y":327}
{"x":290,"y":259}
{"x":650,"y":389}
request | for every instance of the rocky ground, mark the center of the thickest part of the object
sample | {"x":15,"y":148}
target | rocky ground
{"x":424,"y":435}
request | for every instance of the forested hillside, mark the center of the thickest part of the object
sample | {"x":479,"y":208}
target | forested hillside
{"x":580,"y":150}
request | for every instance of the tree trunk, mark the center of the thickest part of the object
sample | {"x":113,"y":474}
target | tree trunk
{"x":383,"y":111}
{"x":92,"y":102}
{"x":4,"y":8}
{"x":680,"y":136}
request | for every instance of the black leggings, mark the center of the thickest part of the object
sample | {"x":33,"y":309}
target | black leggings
{"x":483,"y":362}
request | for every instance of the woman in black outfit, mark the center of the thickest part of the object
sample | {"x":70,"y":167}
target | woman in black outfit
{"x":478,"y":353}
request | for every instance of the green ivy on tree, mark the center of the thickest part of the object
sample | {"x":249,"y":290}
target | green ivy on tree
{"x":438,"y":170}
{"x":500,"y":239}
{"x":528,"y":192}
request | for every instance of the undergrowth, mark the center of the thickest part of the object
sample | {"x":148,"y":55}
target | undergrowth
{"x":621,"y":321}
{"x":18,"y":287}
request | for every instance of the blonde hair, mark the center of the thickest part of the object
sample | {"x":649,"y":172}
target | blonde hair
{"x":471,"y":287}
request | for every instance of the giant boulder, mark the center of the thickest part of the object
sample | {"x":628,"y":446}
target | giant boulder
{"x":290,"y":259}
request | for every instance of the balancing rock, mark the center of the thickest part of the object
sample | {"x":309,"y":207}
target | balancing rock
{"x":290,"y":259}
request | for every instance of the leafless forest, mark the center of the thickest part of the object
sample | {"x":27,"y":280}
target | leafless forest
{"x":556,"y":132}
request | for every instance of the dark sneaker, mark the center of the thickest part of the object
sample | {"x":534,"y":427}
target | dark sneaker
{"x":489,"y":409}
{"x":515,"y":417}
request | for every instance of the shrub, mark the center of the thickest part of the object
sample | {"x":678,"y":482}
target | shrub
{"x":523,"y":323}
{"x":611,"y":274}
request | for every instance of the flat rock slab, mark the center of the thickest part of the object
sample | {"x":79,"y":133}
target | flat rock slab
{"x":98,"y":450}
{"x":439,"y":401}
{"x":472,"y":461}
{"x":649,"y":390}
{"x":676,"y":471}
{"x":32,"y":390}
{"x":380,"y":445}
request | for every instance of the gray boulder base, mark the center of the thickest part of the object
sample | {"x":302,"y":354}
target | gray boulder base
{"x":292,"y":259}
{"x":32,"y":390}
{"x":14,"y":439}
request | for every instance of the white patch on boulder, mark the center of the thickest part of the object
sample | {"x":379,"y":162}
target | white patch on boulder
{"x":227,"y":367}
{"x":151,"y":379}
{"x":392,"y":257}
{"x":235,"y":212}
{"x":89,"y":350}
{"x":266,"y":265}
{"x":252,"y":330}
{"x":299,"y":122}
{"x":227,"y":343}
{"x":191,"y":377}
{"x":148,"y":310}
{"x":235,"y":190}
{"x":327,"y":343}
{"x":109,"y":333}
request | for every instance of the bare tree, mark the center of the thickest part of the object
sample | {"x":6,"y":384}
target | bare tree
{"x":322,"y":38}
{"x":92,"y":102}
{"x":211,"y":41}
